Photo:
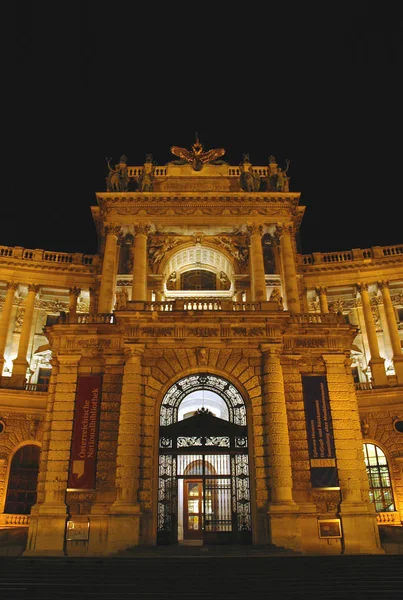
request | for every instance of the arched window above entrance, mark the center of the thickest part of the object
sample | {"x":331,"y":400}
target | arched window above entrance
{"x":213,"y":388}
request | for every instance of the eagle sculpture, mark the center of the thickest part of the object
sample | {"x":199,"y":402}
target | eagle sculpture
{"x":196,"y":156}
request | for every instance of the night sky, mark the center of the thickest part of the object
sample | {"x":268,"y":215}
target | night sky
{"x":318,"y":85}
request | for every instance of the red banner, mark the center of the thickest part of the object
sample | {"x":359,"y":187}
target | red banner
{"x":85,"y":433}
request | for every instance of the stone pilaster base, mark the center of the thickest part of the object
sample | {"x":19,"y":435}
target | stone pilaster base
{"x":47,"y":530}
{"x":124,"y":527}
{"x":284,"y":527}
{"x":360,"y":530}
{"x":378,"y":371}
{"x":398,"y":364}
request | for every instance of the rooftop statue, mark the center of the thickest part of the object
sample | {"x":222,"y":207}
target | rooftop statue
{"x":118,"y":178}
{"x":250,"y":181}
{"x":277,"y":179}
{"x":197,"y":157}
{"x":146,"y":179}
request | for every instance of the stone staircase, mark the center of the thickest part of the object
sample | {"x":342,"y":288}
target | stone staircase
{"x":196,"y":572}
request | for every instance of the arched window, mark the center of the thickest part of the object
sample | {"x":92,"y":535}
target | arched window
{"x":198,"y":279}
{"x":380,"y":487}
{"x":21,"y":492}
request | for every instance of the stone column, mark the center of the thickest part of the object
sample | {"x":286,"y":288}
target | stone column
{"x":124,"y":528}
{"x":358,"y":517}
{"x":20,"y":364}
{"x":47,"y":528}
{"x":282,"y":510}
{"x":74,"y":293}
{"x":393,"y":330}
{"x":140,"y":264}
{"x":92,"y":294}
{"x":258,"y":283}
{"x":5,"y":318}
{"x":322,"y":294}
{"x":290,"y":273}
{"x":376,"y":362}
{"x":108,"y":277}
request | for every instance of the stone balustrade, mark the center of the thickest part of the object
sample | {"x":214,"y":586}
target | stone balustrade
{"x":67,"y":258}
{"x":358,"y":254}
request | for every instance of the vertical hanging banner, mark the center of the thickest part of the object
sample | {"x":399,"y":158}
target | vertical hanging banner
{"x":320,"y":432}
{"x":85,"y":433}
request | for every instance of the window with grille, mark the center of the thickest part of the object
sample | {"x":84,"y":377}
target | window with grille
{"x":380,"y":487}
{"x":198,"y":279}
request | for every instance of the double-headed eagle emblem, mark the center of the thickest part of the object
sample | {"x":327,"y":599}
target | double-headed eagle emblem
{"x":196,"y":156}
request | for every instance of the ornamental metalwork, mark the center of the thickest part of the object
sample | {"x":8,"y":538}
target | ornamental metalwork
{"x":204,"y":487}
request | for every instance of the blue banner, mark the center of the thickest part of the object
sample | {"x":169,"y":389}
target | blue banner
{"x":320,"y":432}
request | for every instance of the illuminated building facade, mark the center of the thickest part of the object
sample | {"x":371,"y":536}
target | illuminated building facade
{"x":198,"y":380}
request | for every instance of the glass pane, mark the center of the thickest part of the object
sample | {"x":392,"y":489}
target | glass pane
{"x":193,"y":506}
{"x":193,"y":522}
{"x":380,"y":492}
{"x":193,"y":489}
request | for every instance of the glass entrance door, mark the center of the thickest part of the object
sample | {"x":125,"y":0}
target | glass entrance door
{"x":193,"y":510}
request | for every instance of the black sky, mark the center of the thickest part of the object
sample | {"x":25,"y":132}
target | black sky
{"x":317,"y":84}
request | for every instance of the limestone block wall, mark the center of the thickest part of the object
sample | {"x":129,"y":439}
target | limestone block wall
{"x":81,"y":502}
{"x":297,"y":429}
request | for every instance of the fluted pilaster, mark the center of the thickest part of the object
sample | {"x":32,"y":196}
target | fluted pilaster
{"x":256,"y":262}
{"x":20,"y":364}
{"x":393,"y":330}
{"x":129,"y":444}
{"x":276,"y":425}
{"x":74,"y":293}
{"x":376,"y":362}
{"x":5,"y":320}
{"x":290,"y":274}
{"x":322,"y":295}
{"x":108,"y":278}
{"x":140,"y":264}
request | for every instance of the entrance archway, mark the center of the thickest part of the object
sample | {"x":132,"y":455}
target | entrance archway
{"x":203,"y":479}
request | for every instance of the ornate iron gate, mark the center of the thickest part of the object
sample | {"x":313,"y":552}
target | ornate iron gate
{"x":211,"y":452}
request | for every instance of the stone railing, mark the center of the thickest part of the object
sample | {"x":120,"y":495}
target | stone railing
{"x":376,"y":252}
{"x":318,"y":318}
{"x":212,"y":304}
{"x":88,"y":318}
{"x":363,"y":385}
{"x":162,"y":171}
{"x":66,"y":258}
{"x":388,"y":518}
{"x":11,"y":520}
{"x":5,"y":382}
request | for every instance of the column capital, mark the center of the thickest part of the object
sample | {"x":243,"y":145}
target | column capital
{"x":254,"y":229}
{"x":76,"y":291}
{"x":335,"y":359}
{"x":133,"y":350}
{"x":382,"y":284}
{"x":321,"y":291}
{"x":113,"y":229}
{"x":270,"y":351}
{"x":71,"y":360}
{"x":281,"y":230}
{"x":33,"y":288}
{"x":12,"y":285}
{"x":141,"y":229}
{"x":362,"y":287}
